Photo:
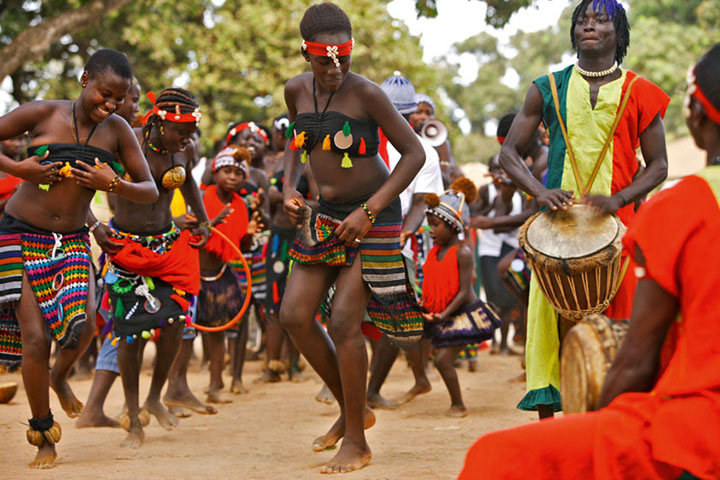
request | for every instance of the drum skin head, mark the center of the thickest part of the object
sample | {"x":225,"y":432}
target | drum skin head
{"x":573,"y":233}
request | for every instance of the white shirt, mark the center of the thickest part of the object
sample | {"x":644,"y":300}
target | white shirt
{"x":428,"y":179}
{"x":491,"y":242}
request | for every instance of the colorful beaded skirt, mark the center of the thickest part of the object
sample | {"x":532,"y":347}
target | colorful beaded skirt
{"x":58,"y":269}
{"x":392,"y":307}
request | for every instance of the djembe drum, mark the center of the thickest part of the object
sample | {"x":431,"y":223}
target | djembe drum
{"x":587,"y":353}
{"x":575,"y":256}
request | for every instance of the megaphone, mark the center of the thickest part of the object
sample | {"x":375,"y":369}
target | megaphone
{"x":435,"y":132}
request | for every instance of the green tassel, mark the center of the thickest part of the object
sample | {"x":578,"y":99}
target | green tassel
{"x":119,"y":309}
{"x":44,"y":186}
{"x":346,"y":128}
{"x":346,"y":161}
{"x":289,"y":130}
{"x":304,"y":157}
{"x":145,"y":334}
{"x":149,"y":282}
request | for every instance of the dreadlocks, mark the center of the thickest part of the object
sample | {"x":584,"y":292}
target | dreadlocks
{"x":171,"y":100}
{"x":617,"y":13}
{"x":324,"y":18}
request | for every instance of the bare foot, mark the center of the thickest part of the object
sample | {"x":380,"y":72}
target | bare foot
{"x":377,"y":401}
{"x":214,"y":396}
{"x":135,"y":437}
{"x":238,"y":388}
{"x":187,"y":400}
{"x":337,"y":431}
{"x":179,"y":412}
{"x":45,"y":457}
{"x":456,"y":411}
{"x":417,"y":389}
{"x":95,"y":419}
{"x":68,"y":401}
{"x":167,"y":421}
{"x":349,"y":458}
{"x":325,"y":396}
{"x":219,"y":387}
{"x":268,"y":376}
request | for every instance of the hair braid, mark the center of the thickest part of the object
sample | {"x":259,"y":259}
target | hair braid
{"x":171,"y":100}
{"x":324,"y":18}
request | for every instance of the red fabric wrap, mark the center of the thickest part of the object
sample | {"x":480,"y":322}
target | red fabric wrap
{"x":234,"y":227}
{"x":8,"y":185}
{"x":441,"y":279}
{"x":180,"y":267}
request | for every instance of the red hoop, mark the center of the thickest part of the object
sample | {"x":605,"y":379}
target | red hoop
{"x":245,"y":305}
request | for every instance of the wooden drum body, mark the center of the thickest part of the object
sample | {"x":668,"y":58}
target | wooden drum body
{"x":575,"y":257}
{"x":587,"y":353}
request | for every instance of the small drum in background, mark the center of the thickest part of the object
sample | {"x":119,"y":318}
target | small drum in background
{"x":575,"y":257}
{"x":587,"y":353}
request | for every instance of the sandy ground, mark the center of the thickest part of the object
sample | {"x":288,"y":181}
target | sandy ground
{"x":267,"y":433}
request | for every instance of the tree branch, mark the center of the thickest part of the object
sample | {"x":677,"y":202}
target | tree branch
{"x":33,"y":43}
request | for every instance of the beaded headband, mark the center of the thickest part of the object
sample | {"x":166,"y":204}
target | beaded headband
{"x":694,"y":91}
{"x":225,"y":158}
{"x":332,"y":51}
{"x":244,"y":126}
{"x":176,"y":116}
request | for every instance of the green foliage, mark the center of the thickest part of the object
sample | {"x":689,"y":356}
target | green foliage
{"x":235,"y":57}
{"x":497,"y":15}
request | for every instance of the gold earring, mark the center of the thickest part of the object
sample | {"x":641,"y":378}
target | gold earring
{"x":83,"y":84}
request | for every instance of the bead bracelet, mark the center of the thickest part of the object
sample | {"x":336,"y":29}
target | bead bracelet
{"x":369,"y":214}
{"x":113,"y":183}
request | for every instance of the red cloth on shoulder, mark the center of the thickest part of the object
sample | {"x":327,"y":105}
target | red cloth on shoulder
{"x":441,"y":279}
{"x":180,"y":267}
{"x":8,"y":185}
{"x":234,"y":227}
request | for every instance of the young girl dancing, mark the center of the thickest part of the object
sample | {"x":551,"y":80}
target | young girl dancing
{"x":221,"y":295}
{"x":455,"y":316}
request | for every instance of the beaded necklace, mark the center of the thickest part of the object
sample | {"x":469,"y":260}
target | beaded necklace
{"x":153,"y":147}
{"x":601,"y":73}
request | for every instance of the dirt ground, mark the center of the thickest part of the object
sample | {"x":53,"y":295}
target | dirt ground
{"x":267,"y":433}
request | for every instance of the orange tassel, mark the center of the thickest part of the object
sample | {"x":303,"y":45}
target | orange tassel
{"x":362,"y":149}
{"x":326,"y":143}
{"x":300,"y":139}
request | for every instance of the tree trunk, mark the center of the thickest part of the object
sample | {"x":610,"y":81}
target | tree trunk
{"x":33,"y":43}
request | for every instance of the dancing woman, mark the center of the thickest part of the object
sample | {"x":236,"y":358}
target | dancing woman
{"x":334,"y":117}
{"x":50,"y":285}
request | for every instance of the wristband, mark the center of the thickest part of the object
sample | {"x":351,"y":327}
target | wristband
{"x":369,"y":214}
{"x":207,"y":224}
{"x":113,"y":183}
{"x":94,"y":226}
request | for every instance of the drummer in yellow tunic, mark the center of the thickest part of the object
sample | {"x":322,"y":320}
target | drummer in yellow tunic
{"x":596,"y":115}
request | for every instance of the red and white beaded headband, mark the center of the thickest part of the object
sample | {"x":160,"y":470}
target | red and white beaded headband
{"x":244,"y":126}
{"x":175,"y":116}
{"x":332,"y":51}
{"x":693,"y":90}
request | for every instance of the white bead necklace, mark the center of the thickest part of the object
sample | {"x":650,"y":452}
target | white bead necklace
{"x":601,"y":73}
